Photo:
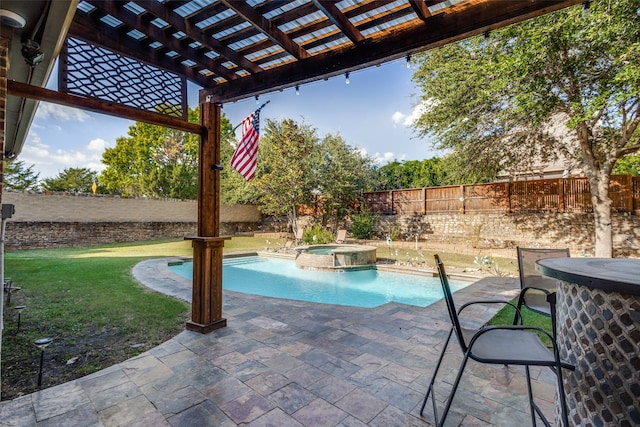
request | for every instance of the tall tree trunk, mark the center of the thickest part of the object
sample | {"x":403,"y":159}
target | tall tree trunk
{"x":293,"y":220}
{"x":602,"y":215}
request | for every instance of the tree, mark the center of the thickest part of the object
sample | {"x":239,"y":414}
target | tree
{"x":561,"y":84}
{"x":628,"y":165}
{"x":283,"y":175}
{"x":412,"y":174}
{"x":18,"y":176}
{"x":342,"y":174}
{"x":154,"y":161}
{"x":77,"y":180}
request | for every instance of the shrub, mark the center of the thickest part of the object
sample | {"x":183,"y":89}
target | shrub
{"x":363,"y":224}
{"x":317,"y":236}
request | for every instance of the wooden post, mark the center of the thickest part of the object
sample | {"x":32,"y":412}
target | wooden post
{"x":206,"y":302}
{"x":561,"y":195}
{"x":628,"y":193}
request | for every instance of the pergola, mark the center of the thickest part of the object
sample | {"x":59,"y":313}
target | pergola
{"x":132,"y":59}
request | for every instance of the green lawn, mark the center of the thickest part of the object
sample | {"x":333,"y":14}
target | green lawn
{"x":86,"y":299}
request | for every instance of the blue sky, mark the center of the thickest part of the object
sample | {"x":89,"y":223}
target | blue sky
{"x":372,"y":112}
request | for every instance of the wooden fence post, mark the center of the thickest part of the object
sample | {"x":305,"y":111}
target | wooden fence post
{"x":462,"y":199}
{"x":561,"y":205}
{"x":629,"y":191}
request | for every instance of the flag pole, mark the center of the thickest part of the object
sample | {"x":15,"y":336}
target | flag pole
{"x":239,"y":124}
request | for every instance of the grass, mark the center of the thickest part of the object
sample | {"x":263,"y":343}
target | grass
{"x":529,"y":318}
{"x":86,"y":299}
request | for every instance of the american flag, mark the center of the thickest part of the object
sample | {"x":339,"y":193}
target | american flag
{"x":245,"y":158}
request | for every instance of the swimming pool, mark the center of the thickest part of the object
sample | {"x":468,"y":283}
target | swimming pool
{"x":279,"y":278}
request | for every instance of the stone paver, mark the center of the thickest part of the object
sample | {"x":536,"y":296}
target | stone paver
{"x":291,"y":363}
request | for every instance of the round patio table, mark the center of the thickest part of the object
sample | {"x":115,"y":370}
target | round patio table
{"x":598,"y":315}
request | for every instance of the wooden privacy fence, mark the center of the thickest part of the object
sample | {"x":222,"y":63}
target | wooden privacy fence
{"x":542,"y":195}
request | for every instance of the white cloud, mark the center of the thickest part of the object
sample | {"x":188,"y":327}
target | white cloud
{"x":398,"y":117}
{"x":97,"y":144}
{"x":408,"y":120}
{"x":47,"y":110}
{"x":50,"y":163}
{"x":386,"y":157}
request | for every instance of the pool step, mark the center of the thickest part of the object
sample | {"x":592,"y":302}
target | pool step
{"x":243,"y":261}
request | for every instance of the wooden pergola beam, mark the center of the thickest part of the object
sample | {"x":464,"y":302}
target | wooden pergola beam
{"x":265,"y":26}
{"x":159,"y":10}
{"x":421,"y":9}
{"x":339,"y":20}
{"x":142,"y":24}
{"x":23,"y":90}
{"x":439,"y":30}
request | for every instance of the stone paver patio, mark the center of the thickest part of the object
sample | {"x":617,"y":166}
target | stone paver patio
{"x":290,"y":363}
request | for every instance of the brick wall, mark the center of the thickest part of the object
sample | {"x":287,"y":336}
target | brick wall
{"x":56,"y":220}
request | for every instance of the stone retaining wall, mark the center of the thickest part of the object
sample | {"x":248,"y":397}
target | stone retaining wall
{"x":56,"y":220}
{"x":575,"y":231}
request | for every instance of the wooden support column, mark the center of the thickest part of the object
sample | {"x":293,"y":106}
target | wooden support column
{"x":206,"y":302}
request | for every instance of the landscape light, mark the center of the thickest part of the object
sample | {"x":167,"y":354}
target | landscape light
{"x":42,"y":343}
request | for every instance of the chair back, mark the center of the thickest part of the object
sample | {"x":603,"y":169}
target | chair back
{"x":451,"y":307}
{"x":342,"y":235}
{"x":529,"y":276}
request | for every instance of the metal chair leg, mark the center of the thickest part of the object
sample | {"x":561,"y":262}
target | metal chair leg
{"x":456,"y":383}
{"x":433,"y":379}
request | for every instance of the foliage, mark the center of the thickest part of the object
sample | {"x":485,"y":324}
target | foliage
{"x":341,"y":173}
{"x":316,"y":235}
{"x":154,"y":161}
{"x":19,"y":176}
{"x":412,"y":174}
{"x":283,"y":176}
{"x":77,"y":180}
{"x":363,"y":224}
{"x":628,"y":165}
{"x":529,"y":318}
{"x":459,"y":173}
{"x":562,"y":84}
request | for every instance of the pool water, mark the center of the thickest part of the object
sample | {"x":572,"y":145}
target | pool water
{"x":364,"y":288}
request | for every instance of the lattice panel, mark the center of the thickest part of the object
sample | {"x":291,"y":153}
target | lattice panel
{"x":94,"y":72}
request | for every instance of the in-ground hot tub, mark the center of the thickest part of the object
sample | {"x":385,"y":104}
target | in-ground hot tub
{"x":335,"y":257}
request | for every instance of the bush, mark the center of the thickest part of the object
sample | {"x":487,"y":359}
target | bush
{"x":363,"y":224}
{"x":317,"y":236}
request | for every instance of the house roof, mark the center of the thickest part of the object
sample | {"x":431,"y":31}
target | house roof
{"x":238,"y":49}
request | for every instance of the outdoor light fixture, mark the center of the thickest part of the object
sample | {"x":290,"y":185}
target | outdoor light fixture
{"x":297,"y":90}
{"x":32,"y":53}
{"x":19,"y":309}
{"x":585,"y":9}
{"x":346,"y":77}
{"x":408,"y":61}
{"x":42,"y":343}
{"x":257,"y":102}
{"x":217,"y":167}
{"x":11,"y":19}
{"x":8,"y":289}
